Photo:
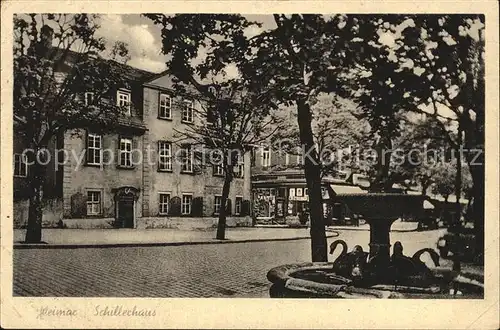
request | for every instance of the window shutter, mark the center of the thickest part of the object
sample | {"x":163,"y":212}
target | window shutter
{"x":175,"y":206}
{"x":78,"y":205}
{"x":87,"y":153}
{"x":135,"y":154}
{"x":198,"y":206}
{"x":117,"y":151}
{"x":245,"y":207}
{"x":105,"y":146}
{"x":157,"y":154}
{"x":229,"y":208}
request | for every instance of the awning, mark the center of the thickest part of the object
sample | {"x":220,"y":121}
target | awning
{"x":428,"y":205}
{"x":346,"y":189}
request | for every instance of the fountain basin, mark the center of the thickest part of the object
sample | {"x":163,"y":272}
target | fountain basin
{"x":376,"y":274}
{"x":317,"y":280}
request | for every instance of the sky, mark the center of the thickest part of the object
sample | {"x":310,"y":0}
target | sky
{"x":144,"y":38}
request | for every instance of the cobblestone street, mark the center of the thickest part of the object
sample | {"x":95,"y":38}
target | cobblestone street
{"x":217,"y":270}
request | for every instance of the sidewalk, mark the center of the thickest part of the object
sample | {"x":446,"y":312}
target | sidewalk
{"x":397,"y":226}
{"x":80,"y":238}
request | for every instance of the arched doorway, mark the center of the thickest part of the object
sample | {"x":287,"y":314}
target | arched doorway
{"x":125,"y":200}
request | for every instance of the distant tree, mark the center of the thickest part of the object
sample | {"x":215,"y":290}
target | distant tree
{"x":336,"y":129}
{"x":55,"y":62}
{"x":120,"y":52}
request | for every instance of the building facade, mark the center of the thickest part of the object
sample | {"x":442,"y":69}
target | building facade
{"x":132,"y":177}
{"x":280,"y":191}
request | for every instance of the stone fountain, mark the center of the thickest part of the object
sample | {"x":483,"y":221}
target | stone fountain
{"x":376,"y":273}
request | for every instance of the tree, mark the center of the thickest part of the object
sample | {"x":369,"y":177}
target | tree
{"x":200,"y":49}
{"x":336,"y":128}
{"x":232,"y":123}
{"x":303,"y":56}
{"x":442,"y":57}
{"x":55,"y":61}
{"x":453,"y":60}
{"x":444,"y":184}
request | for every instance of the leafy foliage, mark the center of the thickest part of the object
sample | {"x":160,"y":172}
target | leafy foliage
{"x":55,"y":62}
{"x":52,"y":70}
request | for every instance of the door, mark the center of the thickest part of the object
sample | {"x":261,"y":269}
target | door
{"x":125,"y":218}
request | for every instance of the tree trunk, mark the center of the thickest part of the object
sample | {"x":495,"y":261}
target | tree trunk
{"x":474,"y":144}
{"x":34,"y":227}
{"x":477,"y":210}
{"x":313,"y":178}
{"x":382,"y":182}
{"x":458,"y":178}
{"x":425,"y":186}
{"x":221,"y":224}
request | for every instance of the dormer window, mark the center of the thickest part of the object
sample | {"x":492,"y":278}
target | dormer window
{"x":266,"y":157}
{"x":187,"y":111}
{"x":123,"y":100}
{"x":89,"y":98}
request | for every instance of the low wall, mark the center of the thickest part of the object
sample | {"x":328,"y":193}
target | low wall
{"x":52,"y":213}
{"x":187,"y":223}
{"x":53,"y":218}
{"x":183,"y":223}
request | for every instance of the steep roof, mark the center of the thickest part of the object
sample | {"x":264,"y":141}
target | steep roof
{"x":133,"y":74}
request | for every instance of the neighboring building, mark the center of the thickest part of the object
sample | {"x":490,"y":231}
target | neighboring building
{"x":184,"y":189}
{"x":280,"y":189}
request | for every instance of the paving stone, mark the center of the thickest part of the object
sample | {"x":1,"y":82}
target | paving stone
{"x":221,"y":270}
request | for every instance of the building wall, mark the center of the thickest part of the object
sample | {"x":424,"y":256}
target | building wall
{"x":73,"y":180}
{"x":79,"y":177}
{"x":202,"y":183}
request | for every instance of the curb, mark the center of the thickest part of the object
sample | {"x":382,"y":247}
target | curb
{"x":391,"y":231}
{"x":21,"y":246}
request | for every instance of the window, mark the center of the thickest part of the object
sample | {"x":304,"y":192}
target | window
{"x":300,"y":159}
{"x":89,"y":98}
{"x":299,"y":192}
{"x":94,"y":145}
{"x":266,"y":157}
{"x":165,"y":110}
{"x":239,"y":169}
{"x":123,"y":100}
{"x":126,"y":152}
{"x":217,"y":204}
{"x":20,"y":165}
{"x":292,"y":192}
{"x":187,"y":158}
{"x":187,"y":112}
{"x":93,"y":202}
{"x":217,"y":163}
{"x":187,"y":201}
{"x":306,"y":191}
{"x":164,"y":203}
{"x":238,"y":205}
{"x":218,"y":170}
{"x":164,"y":156}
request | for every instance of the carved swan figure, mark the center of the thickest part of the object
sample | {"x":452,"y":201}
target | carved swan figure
{"x":419,"y":263}
{"x":349,"y":265}
{"x":403,"y":265}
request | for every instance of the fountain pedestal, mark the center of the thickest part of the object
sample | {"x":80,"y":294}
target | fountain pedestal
{"x":380,"y":244}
